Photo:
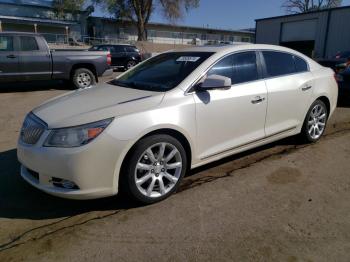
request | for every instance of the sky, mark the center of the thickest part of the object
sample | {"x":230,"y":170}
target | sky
{"x":227,"y":14}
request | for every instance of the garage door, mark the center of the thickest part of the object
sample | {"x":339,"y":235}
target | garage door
{"x":299,"y":31}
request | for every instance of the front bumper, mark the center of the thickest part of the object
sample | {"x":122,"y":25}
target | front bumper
{"x":93,"y":168}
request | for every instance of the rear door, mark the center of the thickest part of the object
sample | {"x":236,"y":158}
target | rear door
{"x":34,"y":59}
{"x":9,"y":62}
{"x":289,"y":85}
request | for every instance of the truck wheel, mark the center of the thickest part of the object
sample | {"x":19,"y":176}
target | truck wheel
{"x":83,"y":78}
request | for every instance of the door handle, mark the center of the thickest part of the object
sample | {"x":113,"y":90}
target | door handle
{"x":11,"y":56}
{"x":305,"y":88}
{"x":258,"y":99}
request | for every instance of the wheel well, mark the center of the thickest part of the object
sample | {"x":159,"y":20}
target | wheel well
{"x":325,"y":100}
{"x":87,"y":66}
{"x":166,"y":131}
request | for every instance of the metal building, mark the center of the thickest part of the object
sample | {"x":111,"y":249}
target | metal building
{"x":318,"y":34}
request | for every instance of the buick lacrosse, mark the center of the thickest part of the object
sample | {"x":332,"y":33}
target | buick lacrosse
{"x":141,"y":132}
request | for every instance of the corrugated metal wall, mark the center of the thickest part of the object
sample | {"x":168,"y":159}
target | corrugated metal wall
{"x":339,"y":32}
{"x":269,"y":31}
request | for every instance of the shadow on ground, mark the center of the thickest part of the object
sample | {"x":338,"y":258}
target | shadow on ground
{"x":34,"y":86}
{"x":21,"y":201}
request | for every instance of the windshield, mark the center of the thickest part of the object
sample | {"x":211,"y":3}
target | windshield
{"x":163,"y":72}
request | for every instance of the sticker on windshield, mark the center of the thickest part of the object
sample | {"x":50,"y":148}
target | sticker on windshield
{"x":188,"y":59}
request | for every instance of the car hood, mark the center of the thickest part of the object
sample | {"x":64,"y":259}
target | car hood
{"x":94,"y":104}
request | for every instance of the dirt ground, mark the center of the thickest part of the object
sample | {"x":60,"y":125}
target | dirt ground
{"x":282,"y":202}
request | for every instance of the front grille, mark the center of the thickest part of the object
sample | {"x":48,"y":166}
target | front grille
{"x":32,"y":129}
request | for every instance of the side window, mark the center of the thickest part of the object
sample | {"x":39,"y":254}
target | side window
{"x":300,"y":65}
{"x":6,"y":43}
{"x":28,"y":43}
{"x":241,"y":67}
{"x":245,"y":68}
{"x":102,"y":48}
{"x":119,"y":48}
{"x":278,"y":64}
{"x":131,"y":49}
{"x":223,"y":67}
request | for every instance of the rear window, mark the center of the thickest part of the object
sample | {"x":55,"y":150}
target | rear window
{"x":6,"y":43}
{"x":278,"y":64}
{"x":28,"y":43}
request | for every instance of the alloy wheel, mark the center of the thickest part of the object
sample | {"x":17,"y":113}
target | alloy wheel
{"x":158,"y":170}
{"x":317,"y":121}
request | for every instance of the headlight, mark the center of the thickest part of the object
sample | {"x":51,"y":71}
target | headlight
{"x":76,"y":136}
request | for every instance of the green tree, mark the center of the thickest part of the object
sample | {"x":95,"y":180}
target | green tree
{"x":304,"y":6}
{"x":140,"y":11}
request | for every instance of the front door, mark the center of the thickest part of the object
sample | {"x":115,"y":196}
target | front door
{"x":228,"y":119}
{"x":34,"y":59}
{"x":9,"y":63}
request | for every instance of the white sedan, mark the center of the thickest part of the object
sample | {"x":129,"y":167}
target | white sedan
{"x":142,"y":132}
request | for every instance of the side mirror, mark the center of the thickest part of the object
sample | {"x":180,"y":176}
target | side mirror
{"x":215,"y":82}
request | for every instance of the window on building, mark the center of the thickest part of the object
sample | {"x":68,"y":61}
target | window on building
{"x":28,"y":43}
{"x":245,"y":39}
{"x":241,"y":68}
{"x":6,"y":43}
{"x":300,"y":65}
{"x":278,"y":64}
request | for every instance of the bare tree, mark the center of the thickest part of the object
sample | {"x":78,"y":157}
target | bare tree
{"x":140,"y":11}
{"x":61,"y":7}
{"x":304,"y":6}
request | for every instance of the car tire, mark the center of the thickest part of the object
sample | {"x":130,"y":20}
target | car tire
{"x":149,"y":176}
{"x":315,"y":122}
{"x":130,"y":64}
{"x":83,"y":78}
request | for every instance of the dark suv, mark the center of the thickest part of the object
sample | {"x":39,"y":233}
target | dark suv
{"x":123,"y":56}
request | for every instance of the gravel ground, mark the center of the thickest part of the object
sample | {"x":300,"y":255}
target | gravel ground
{"x":281,"y":202}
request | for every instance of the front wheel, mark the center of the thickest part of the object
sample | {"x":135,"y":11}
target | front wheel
{"x":154,"y":169}
{"x":315,"y":122}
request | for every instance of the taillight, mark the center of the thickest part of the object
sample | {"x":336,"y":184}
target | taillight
{"x":109,"y":59}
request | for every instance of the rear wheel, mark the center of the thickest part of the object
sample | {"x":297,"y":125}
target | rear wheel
{"x":315,"y":122}
{"x":154,"y":169}
{"x":83,"y":78}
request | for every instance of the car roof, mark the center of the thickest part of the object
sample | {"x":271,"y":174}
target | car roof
{"x":236,"y":47}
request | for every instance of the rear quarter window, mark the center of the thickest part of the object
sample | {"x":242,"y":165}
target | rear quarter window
{"x":300,"y":65}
